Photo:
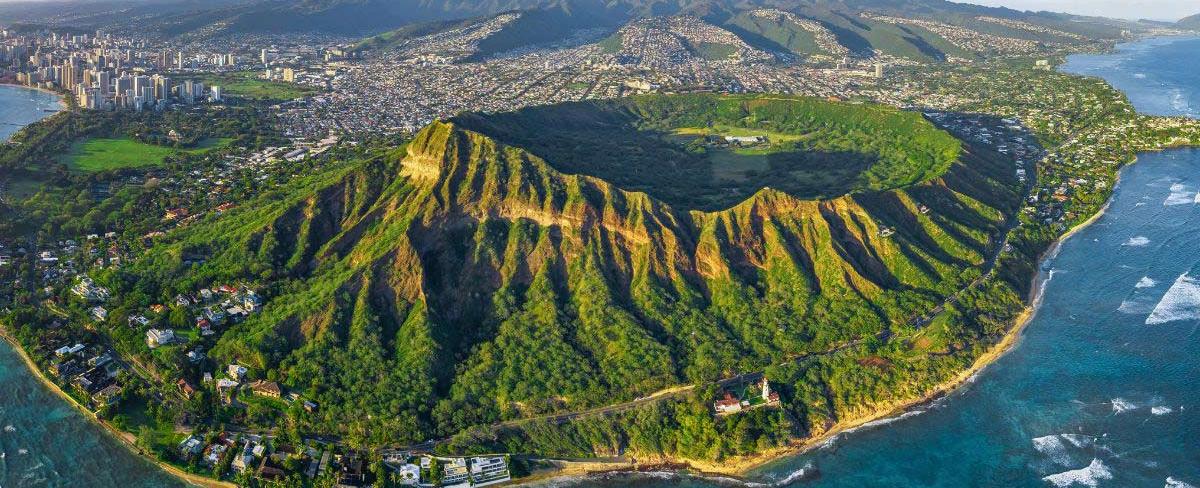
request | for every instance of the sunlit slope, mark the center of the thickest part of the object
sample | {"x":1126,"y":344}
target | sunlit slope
{"x":464,"y":280}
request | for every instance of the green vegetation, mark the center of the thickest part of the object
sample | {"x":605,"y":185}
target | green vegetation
{"x":713,"y":51}
{"x":816,"y":148}
{"x":465,"y":280}
{"x":780,"y":34}
{"x":103,"y":154}
{"x":247,"y":84}
{"x":612,"y":43}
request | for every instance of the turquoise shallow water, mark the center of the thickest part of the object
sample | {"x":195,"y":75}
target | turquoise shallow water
{"x":1102,"y":389}
{"x":46,"y":443}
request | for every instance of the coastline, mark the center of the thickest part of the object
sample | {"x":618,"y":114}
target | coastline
{"x":126,"y":439}
{"x":62,"y":99}
{"x":740,"y":467}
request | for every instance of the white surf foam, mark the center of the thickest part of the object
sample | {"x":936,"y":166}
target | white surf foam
{"x":1078,"y":440}
{"x":1182,"y":302}
{"x":795,"y":475}
{"x":1174,"y":483}
{"x":885,"y":421}
{"x":1160,"y":410}
{"x":1121,"y":405}
{"x":1180,"y":195}
{"x":1089,"y":475}
{"x":1052,"y":447}
{"x":10,"y":428}
{"x":1138,"y":241}
{"x":1139,"y":76}
{"x":1145,"y":282}
{"x":1057,"y":447}
{"x":1134,"y":306}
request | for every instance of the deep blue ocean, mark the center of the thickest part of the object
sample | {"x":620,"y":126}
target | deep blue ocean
{"x":1103,"y":390}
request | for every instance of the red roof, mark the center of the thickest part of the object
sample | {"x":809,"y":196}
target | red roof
{"x":728,"y":401}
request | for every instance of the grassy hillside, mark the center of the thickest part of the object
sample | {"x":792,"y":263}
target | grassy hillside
{"x":467,"y":279}
{"x":779,"y":33}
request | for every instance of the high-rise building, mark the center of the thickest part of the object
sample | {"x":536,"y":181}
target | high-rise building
{"x":124,"y":84}
{"x":216,"y":94}
{"x":143,"y":88}
{"x":105,"y":81}
{"x":162,"y":87}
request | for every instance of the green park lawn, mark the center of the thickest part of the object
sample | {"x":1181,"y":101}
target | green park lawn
{"x":103,"y":154}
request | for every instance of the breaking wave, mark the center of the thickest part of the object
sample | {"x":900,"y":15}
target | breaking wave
{"x":1174,"y":483}
{"x":1134,"y":306}
{"x":1160,"y":410}
{"x":1052,"y":447}
{"x":1145,"y":282}
{"x":1089,"y":475}
{"x":1121,"y":405}
{"x":1137,"y":241}
{"x":1180,"y":195}
{"x":1182,"y":302}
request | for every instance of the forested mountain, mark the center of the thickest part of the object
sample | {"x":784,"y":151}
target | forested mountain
{"x":370,"y":17}
{"x":503,"y":266}
{"x":920,"y":31}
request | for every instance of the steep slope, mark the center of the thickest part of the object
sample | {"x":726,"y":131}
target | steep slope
{"x":1191,"y":22}
{"x":367,"y":17}
{"x":464,"y":280}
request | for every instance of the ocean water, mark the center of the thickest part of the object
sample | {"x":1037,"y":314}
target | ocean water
{"x":44,"y":442}
{"x":1103,"y":390}
{"x":22,"y":106}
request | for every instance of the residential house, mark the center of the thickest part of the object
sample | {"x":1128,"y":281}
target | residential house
{"x":185,"y":387}
{"x":729,"y":404}
{"x":99,"y":313}
{"x":266,"y":388}
{"x":489,"y":470}
{"x":66,"y":351}
{"x":159,"y":337}
{"x":237,"y":372}
{"x":107,"y":395}
{"x":191,"y":446}
{"x":455,"y":472}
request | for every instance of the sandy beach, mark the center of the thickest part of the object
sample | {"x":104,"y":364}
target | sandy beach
{"x":128,"y":440}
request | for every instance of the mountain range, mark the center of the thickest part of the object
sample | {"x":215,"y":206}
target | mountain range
{"x":369,"y":17}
